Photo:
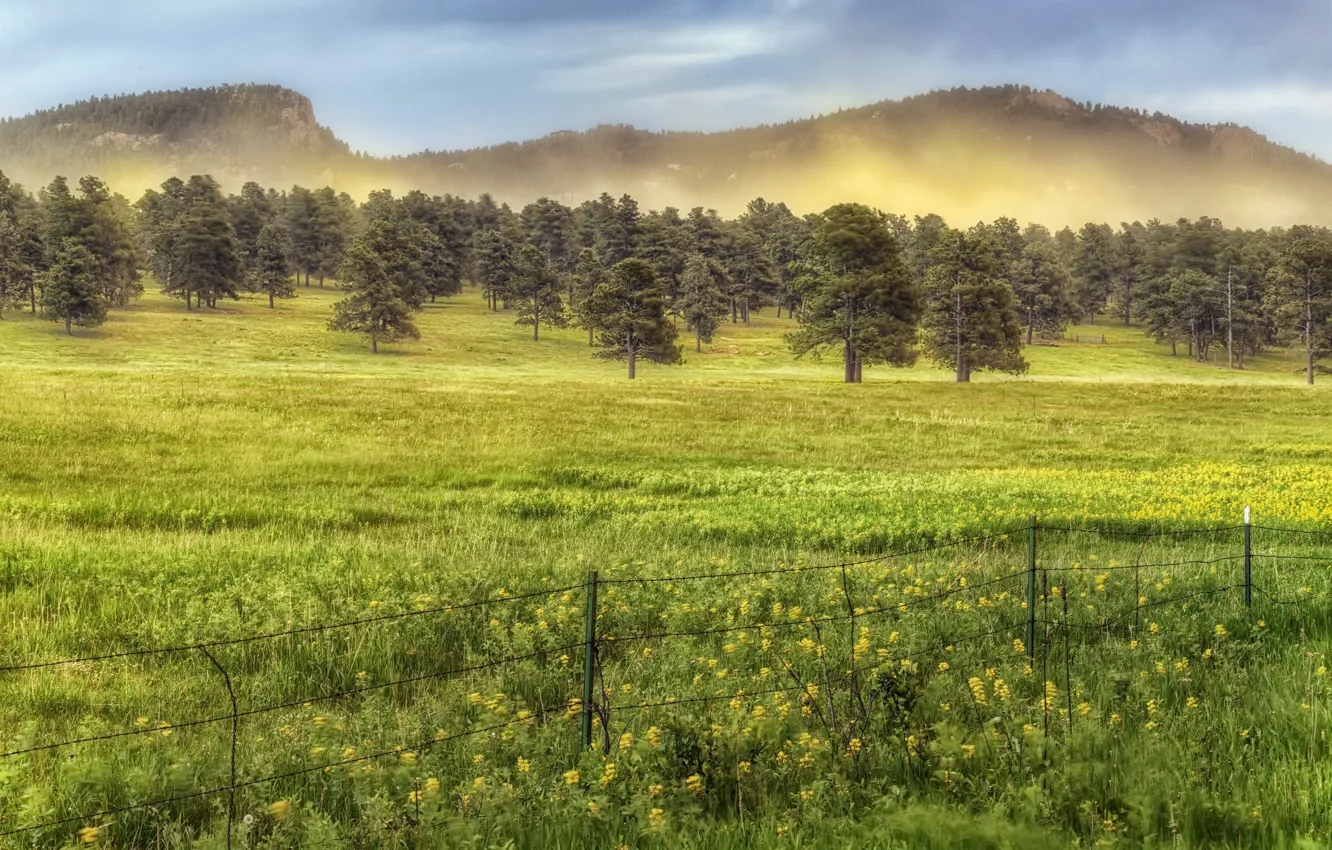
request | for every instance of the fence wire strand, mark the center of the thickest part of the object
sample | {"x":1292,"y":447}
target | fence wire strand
{"x":249,"y":783}
{"x":290,"y":632}
{"x":817,"y":567}
{"x":299,"y":702}
{"x":787,"y":624}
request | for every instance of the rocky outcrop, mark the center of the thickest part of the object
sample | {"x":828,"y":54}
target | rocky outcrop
{"x":127,"y":141}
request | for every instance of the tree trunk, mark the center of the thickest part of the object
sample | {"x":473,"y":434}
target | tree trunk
{"x":590,"y":340}
{"x":859,"y":376}
{"x":733,"y":308}
{"x":1308,"y":340}
{"x":188,"y":308}
{"x":848,"y":362}
{"x":536,"y":324}
{"x":270,"y":299}
{"x":374,"y":344}
{"x":698,"y":342}
{"x":321,"y":285}
{"x":963,"y":370}
{"x":632,"y":358}
{"x":1239,"y":356}
{"x":744,"y":306}
{"x":307,"y":278}
{"x":1031,"y":323}
{"x":32,"y":298}
{"x":69,"y":331}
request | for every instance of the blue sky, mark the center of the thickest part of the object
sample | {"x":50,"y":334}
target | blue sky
{"x":396,"y":76}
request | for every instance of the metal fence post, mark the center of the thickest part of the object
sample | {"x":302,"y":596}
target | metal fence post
{"x":1031,"y":589}
{"x":1248,"y":560}
{"x":589,"y":652}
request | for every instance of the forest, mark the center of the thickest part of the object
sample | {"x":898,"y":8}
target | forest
{"x":867,"y":287}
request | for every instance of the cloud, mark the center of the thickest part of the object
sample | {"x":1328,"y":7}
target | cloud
{"x":636,"y":60}
{"x":1255,"y":102}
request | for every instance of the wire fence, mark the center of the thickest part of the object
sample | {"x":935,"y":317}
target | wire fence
{"x":839,"y":687}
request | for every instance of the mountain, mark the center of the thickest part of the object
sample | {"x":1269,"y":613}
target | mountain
{"x":964,"y":153}
{"x":237,"y":133}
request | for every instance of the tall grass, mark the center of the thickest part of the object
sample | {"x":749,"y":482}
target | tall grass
{"x":175,"y":479}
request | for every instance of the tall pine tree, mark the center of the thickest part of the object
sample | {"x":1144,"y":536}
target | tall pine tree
{"x":628,"y":312}
{"x":858,"y":292}
{"x":970,"y":321}
{"x":374,"y":306}
{"x":70,"y":291}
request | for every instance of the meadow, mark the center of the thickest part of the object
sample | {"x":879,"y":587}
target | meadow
{"x":172,"y":479}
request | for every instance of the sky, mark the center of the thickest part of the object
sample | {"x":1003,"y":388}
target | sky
{"x":399,"y":76}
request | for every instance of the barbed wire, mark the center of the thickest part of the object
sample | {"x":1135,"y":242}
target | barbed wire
{"x":814,"y":568}
{"x":1272,"y":598}
{"x":222,"y":789}
{"x":1284,"y":530}
{"x":1085,"y":569}
{"x":194,"y":647}
{"x":1140,"y":535}
{"x":808,"y":621}
{"x":298,"y":702}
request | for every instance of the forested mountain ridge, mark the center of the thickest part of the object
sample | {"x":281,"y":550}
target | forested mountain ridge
{"x":239,"y":133}
{"x":965,"y":153}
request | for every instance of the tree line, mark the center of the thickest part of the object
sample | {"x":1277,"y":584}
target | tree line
{"x":869,"y":287}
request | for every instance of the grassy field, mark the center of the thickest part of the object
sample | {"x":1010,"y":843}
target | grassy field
{"x":175,"y":478}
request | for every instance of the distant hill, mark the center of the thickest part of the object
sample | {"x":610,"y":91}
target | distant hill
{"x":965,"y":153}
{"x":237,"y":133}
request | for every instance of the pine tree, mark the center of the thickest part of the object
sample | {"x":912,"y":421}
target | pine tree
{"x":300,"y":218}
{"x":251,"y":211}
{"x":271,"y":272}
{"x":1197,"y":309}
{"x":970,"y":321}
{"x":749,"y":269}
{"x":535,"y":289}
{"x":587,"y":276}
{"x":374,"y":305}
{"x":16,"y":273}
{"x":1044,"y":291}
{"x":1095,"y":265}
{"x":628,"y":312}
{"x":548,"y":226}
{"x":192,"y":247}
{"x":1301,"y":295}
{"x":664,"y":244}
{"x":495,"y":259}
{"x":207,"y":260}
{"x":70,"y":291}
{"x":858,"y":292}
{"x":702,"y":301}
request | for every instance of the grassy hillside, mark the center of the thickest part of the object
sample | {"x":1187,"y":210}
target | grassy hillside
{"x":173,"y":478}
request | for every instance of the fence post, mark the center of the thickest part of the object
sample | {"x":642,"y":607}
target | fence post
{"x":589,"y":652}
{"x":1248,"y":560}
{"x":1031,"y":589}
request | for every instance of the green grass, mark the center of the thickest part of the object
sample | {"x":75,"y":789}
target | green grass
{"x":172,"y":478}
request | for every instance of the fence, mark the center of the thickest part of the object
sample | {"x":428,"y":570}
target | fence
{"x":956,"y":600}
